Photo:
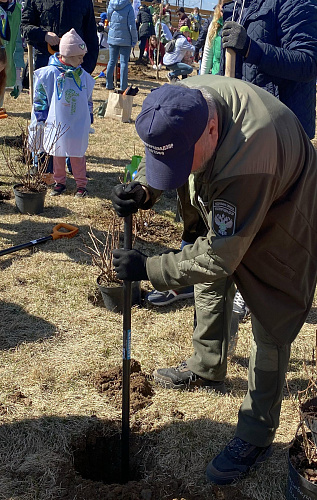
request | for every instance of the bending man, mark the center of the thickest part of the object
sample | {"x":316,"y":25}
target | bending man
{"x":252,"y":173}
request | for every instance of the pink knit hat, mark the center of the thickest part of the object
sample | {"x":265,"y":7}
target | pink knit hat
{"x":72,"y":45}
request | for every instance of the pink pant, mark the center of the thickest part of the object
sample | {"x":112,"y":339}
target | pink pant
{"x":78,"y":168}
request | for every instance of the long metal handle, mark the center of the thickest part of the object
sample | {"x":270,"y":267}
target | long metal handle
{"x":126,"y":358}
{"x":25,"y":245}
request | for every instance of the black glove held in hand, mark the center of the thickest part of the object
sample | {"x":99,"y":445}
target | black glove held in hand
{"x":234,"y":36}
{"x":130,"y":265}
{"x":128,"y":198}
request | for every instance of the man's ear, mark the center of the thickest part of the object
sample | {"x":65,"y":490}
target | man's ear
{"x":213,"y":129}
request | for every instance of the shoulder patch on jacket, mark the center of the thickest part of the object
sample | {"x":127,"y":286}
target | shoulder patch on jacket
{"x":223,"y":218}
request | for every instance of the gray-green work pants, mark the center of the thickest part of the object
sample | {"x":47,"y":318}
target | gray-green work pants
{"x":259,"y":413}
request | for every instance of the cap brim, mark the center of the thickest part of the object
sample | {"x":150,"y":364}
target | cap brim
{"x":170,"y":174}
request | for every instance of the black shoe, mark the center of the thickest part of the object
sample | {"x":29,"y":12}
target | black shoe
{"x":58,"y":189}
{"x":81,"y":192}
{"x":181,"y":378}
{"x":131,"y":91}
{"x":236,"y":460}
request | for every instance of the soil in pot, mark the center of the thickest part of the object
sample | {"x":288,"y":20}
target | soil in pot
{"x":113,"y":295}
{"x":27,"y":201}
{"x":302,"y":477}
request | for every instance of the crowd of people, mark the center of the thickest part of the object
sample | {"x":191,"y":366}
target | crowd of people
{"x":153,"y":29}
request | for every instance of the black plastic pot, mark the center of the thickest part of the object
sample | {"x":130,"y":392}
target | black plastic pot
{"x":299,"y":488}
{"x":31,"y":203}
{"x":113,"y":295}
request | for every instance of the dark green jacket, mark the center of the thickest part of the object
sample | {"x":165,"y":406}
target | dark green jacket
{"x":259,"y":190}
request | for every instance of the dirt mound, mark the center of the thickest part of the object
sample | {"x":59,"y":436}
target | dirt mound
{"x":141,"y":390}
{"x":137,"y":71}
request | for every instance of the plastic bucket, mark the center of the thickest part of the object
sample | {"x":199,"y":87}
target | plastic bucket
{"x":299,"y":488}
{"x":113,"y":296}
{"x":31,"y":203}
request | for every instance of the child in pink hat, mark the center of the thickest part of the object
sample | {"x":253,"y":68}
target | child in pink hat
{"x":63,"y":97}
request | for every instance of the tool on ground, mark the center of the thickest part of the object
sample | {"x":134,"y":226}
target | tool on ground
{"x":126,"y":358}
{"x":31,"y":71}
{"x":69,"y":232}
{"x":3,"y":113}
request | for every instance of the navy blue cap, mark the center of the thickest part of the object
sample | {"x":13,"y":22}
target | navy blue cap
{"x":172,"y":120}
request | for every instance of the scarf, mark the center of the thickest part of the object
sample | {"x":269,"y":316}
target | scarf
{"x":65,"y":72}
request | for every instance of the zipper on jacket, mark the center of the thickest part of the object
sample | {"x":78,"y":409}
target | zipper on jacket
{"x":203,"y":212}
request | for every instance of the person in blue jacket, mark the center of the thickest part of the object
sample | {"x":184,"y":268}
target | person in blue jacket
{"x":122,"y":36}
{"x":276,"y":49}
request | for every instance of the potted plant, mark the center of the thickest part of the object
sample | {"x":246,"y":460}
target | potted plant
{"x":28,"y":167}
{"x":100,"y":250}
{"x":302,"y":459}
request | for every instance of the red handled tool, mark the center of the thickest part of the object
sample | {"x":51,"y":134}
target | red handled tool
{"x":69,"y":232}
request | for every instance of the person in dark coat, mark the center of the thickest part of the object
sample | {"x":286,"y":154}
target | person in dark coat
{"x":275,"y":45}
{"x":145,"y":27}
{"x":46,"y":21}
{"x":276,"y":49}
{"x":200,"y":42}
{"x":183,"y":19}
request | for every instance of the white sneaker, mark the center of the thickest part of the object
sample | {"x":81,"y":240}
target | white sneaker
{"x":160,"y":67}
{"x":154,"y":66}
{"x":240,"y":307}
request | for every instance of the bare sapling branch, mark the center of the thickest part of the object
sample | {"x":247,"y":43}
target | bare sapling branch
{"x":29,"y":164}
{"x":100,"y":251}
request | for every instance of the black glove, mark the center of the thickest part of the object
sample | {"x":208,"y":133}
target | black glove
{"x":130,"y":265}
{"x":234,"y":36}
{"x":128,"y":198}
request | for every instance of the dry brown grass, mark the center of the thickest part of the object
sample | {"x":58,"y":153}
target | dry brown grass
{"x":54,"y":338}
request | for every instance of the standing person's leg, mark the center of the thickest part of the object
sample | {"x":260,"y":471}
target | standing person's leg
{"x":208,"y":365}
{"x":124,"y":60}
{"x":259,"y":413}
{"x":142,"y":44}
{"x":79,"y":172}
{"x":59,"y":175}
{"x":113,"y":58}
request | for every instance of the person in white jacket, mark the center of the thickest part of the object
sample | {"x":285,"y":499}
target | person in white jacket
{"x":172,"y":59}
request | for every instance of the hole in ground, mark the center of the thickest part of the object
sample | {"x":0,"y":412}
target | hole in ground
{"x":98,"y":457}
